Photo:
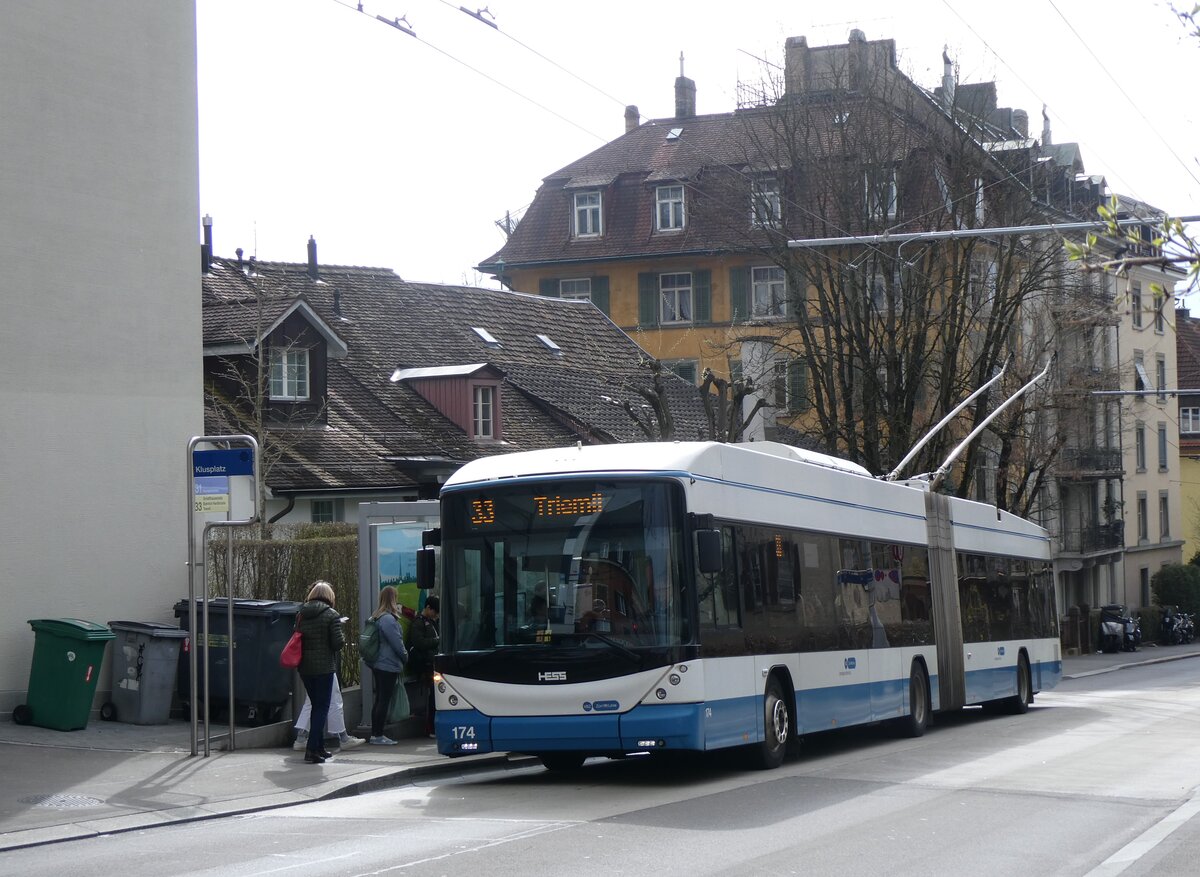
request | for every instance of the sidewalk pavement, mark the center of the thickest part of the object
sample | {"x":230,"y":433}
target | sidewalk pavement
{"x":112,"y":777}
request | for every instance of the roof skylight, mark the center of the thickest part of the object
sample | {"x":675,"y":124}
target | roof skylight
{"x":674,"y":133}
{"x":549,"y":342}
{"x":487,"y":336}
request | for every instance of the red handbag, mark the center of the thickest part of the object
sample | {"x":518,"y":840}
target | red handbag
{"x":290,"y":656}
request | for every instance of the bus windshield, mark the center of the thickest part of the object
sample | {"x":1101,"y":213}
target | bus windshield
{"x":572,"y":562}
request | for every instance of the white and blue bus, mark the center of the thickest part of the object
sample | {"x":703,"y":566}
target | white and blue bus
{"x":619,"y":599}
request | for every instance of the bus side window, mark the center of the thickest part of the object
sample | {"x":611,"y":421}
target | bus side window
{"x":717,"y":593}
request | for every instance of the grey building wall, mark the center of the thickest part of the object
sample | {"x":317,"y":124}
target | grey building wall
{"x":100,"y":334}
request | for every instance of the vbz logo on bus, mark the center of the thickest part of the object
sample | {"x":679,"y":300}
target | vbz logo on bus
{"x":851,"y":663}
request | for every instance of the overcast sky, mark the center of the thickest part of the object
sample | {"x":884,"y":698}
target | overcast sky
{"x":403,"y":152}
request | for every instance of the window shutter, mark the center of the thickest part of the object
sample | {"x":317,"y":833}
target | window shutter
{"x":739,"y":294}
{"x":702,"y":296}
{"x":600,"y":294}
{"x":797,"y":387}
{"x":647,"y":299}
{"x":548,"y":286}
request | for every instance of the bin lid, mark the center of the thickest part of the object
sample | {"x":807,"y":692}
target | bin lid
{"x":72,"y":628}
{"x":150,"y":628}
{"x":242,"y":607}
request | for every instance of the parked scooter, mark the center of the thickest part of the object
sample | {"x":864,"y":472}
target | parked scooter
{"x":1112,"y":628}
{"x":1178,"y":627}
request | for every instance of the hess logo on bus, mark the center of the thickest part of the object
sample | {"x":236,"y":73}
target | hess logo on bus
{"x":552,"y":676}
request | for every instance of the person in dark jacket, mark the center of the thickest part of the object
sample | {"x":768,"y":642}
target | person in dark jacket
{"x":423,"y":642}
{"x":322,"y":637}
{"x":388,"y":664}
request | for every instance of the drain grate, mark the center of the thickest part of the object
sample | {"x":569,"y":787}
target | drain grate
{"x":62,"y":802}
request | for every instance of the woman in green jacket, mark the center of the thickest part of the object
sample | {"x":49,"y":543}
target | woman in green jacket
{"x":320,"y":627}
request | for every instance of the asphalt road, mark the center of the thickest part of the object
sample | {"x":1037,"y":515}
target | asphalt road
{"x":1101,"y":777}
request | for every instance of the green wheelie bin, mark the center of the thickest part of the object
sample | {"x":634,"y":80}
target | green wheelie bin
{"x":67,"y":654}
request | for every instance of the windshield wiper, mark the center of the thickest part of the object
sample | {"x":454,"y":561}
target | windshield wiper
{"x":609,"y":641}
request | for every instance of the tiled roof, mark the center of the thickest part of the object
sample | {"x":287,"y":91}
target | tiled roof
{"x":549,"y":398}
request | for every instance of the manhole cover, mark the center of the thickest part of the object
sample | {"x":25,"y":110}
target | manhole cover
{"x":62,"y":802}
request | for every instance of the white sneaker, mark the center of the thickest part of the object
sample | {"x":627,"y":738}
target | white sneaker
{"x":381,"y":740}
{"x":301,"y":742}
{"x":348,"y":742}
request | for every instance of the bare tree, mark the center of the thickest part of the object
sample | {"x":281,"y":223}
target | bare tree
{"x":891,"y":336}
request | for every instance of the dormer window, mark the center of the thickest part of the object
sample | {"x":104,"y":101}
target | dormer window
{"x":669,"y":202}
{"x":289,"y":375}
{"x":483,"y":412}
{"x":587,"y":215}
{"x":765,"y":210}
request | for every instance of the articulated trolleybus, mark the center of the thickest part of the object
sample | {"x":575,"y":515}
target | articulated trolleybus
{"x":620,"y":599}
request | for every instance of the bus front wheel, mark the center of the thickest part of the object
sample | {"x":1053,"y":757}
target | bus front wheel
{"x":777,"y":727}
{"x":562,"y":761}
{"x":1019,"y":702}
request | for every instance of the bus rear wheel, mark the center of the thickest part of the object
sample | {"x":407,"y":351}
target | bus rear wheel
{"x":777,"y":728}
{"x":917,"y":720}
{"x":1019,"y":702}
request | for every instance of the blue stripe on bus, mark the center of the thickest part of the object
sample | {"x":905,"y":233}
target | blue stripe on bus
{"x":716,"y":724}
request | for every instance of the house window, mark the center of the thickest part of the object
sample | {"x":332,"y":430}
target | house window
{"x":879,"y":191}
{"x":789,"y":384}
{"x":765,"y":209}
{"x":579,"y":289}
{"x":1160,"y":321}
{"x":289,"y":375}
{"x":1162,"y":447}
{"x":587,"y":214}
{"x":1141,"y":380}
{"x":982,"y":282}
{"x":670,"y":207}
{"x":1189,"y":420}
{"x":1160,"y":376}
{"x":483,"y":413}
{"x":980,"y":205}
{"x":769,"y":291}
{"x":1139,"y":433}
{"x":1142,"y":531}
{"x":675,"y":296}
{"x":1144,"y":581}
{"x":327,"y":511}
{"x":685,"y":368}
{"x":1135,"y":303}
{"x":1164,"y":517}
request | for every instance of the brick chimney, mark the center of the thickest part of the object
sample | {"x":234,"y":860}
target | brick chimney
{"x":632,"y":118}
{"x":685,"y":94}
{"x":312,"y":258}
{"x":206,"y":251}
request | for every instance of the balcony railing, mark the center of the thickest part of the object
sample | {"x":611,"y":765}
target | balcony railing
{"x":1081,"y":461}
{"x":1090,"y":540}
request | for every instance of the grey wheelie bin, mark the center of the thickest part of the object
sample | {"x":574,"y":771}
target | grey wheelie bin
{"x":67,"y":655}
{"x":145,"y":659}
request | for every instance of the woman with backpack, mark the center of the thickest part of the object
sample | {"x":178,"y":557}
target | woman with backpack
{"x":388,"y":664}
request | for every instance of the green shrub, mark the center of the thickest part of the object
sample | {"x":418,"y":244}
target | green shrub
{"x":1177,"y":585}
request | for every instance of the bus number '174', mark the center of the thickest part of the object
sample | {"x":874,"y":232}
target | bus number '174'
{"x":464,"y":732}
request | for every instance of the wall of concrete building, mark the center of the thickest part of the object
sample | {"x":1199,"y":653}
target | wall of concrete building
{"x":100,"y":340}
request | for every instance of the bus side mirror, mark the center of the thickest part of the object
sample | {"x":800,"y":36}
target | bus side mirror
{"x":431,"y":537}
{"x":708,"y":549}
{"x":426,"y":568}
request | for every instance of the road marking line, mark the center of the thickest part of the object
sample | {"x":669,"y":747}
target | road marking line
{"x":1148,"y":840}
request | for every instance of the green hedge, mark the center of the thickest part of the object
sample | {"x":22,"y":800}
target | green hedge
{"x":1177,"y":585}
{"x":284,"y":567}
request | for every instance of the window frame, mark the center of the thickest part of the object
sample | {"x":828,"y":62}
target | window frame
{"x":677,"y":292}
{"x":483,"y":412}
{"x":1164,"y":516}
{"x":1135,"y":303}
{"x":1160,"y":376}
{"x":293,"y":379}
{"x":1189,"y":420}
{"x":881,"y":194}
{"x":1163,"y":463}
{"x":593,"y":213}
{"x":772,"y":311}
{"x":1139,"y":436}
{"x":670,"y":208}
{"x":766,"y":205}
{"x":1143,"y":532}
{"x":575,"y":294}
